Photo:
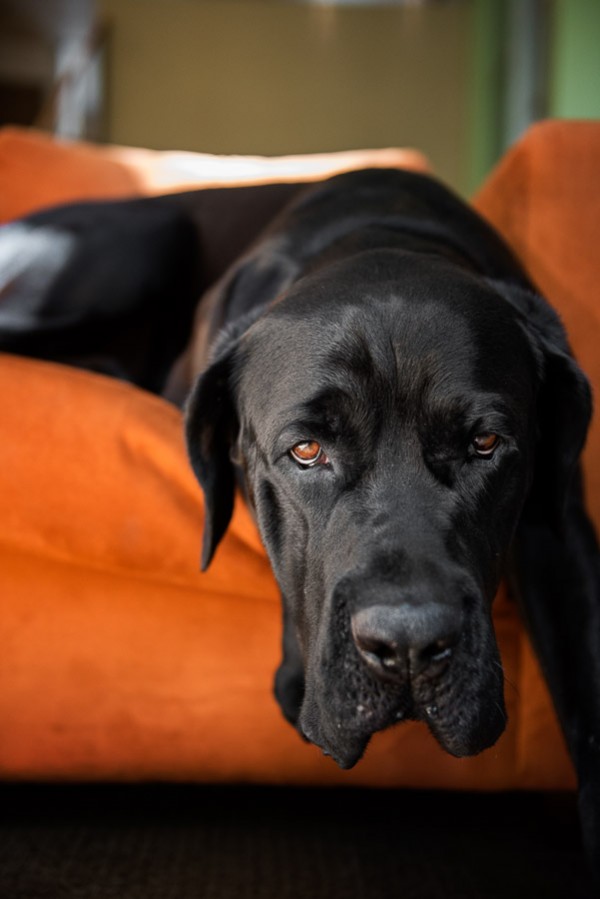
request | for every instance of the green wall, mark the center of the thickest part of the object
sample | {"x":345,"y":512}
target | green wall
{"x":484,"y":86}
{"x":575,"y":57}
{"x":565,"y":35}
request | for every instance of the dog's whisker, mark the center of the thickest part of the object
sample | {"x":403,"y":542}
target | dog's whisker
{"x":506,"y":679}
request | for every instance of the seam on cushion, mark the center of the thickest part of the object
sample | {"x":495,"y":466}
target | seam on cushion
{"x":133,"y":574}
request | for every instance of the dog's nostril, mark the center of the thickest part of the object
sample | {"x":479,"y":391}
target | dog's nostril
{"x":376,"y":660}
{"x":387,"y":655}
{"x":376,"y":652}
{"x":433,"y":655}
{"x":384,"y":656}
{"x":383,"y":662}
{"x":440,"y":649}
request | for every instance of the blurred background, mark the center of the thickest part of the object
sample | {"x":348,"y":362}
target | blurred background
{"x":458,"y":79}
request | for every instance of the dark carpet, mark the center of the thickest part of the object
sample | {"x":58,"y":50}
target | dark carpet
{"x":190,"y":842}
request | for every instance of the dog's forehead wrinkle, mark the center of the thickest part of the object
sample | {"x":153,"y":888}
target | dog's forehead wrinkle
{"x":358,"y":338}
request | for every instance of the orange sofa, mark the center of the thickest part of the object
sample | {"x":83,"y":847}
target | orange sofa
{"x":119,"y":660}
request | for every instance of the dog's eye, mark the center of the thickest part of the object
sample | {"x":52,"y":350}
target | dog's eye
{"x":308,"y":453}
{"x":485,"y":444}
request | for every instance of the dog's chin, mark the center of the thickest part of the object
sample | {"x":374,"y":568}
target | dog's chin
{"x":345,"y":744}
{"x":470,"y":741}
{"x":343,"y":730}
{"x":461,"y":731}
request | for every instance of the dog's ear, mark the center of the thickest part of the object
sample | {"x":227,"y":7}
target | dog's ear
{"x":211,"y":429}
{"x":565,"y":410}
{"x":564,"y":403}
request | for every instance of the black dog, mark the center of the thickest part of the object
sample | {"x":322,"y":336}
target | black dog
{"x":405,"y":418}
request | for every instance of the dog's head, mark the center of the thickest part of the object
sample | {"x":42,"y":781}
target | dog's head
{"x":389,"y":416}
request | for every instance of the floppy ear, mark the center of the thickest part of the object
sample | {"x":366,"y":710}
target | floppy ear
{"x":564,"y":404}
{"x":565,"y":410}
{"x":210,"y":430}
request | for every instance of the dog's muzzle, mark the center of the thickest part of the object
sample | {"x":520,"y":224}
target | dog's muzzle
{"x":387,"y":655}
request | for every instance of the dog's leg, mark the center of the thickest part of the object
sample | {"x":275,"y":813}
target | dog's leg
{"x":289,"y":679}
{"x":559,"y":588}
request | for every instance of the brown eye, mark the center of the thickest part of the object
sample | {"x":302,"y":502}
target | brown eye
{"x":308,"y":453}
{"x":485,"y":444}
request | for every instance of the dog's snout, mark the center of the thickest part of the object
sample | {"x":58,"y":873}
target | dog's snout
{"x":406,"y":640}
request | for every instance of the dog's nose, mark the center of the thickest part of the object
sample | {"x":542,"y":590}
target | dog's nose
{"x":406,"y":639}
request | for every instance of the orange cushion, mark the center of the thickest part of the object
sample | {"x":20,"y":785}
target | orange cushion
{"x":544,"y":197}
{"x":120,"y":660}
{"x":37,"y":170}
